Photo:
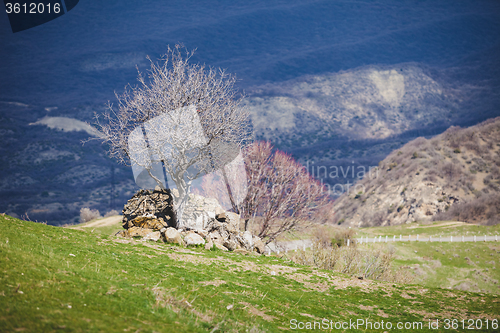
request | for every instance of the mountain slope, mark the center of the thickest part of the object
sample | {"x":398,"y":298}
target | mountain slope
{"x":455,"y":174}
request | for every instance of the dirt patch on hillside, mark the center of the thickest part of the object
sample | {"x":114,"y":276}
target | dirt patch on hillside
{"x":105,"y":222}
{"x":256,"y":312}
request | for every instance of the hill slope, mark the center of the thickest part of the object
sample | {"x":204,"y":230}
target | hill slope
{"x":455,"y":174}
{"x":69,"y":280}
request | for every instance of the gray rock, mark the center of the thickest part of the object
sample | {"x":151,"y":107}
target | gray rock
{"x":153,"y":236}
{"x":248,"y":240}
{"x":193,"y":239}
{"x":155,"y":204}
{"x":233,"y":220}
{"x":259,"y":245}
{"x":209,"y":245}
{"x":230,"y":244}
{"x":173,"y":236}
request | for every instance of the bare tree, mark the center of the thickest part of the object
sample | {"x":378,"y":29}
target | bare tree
{"x":281,"y":195}
{"x":192,"y":119}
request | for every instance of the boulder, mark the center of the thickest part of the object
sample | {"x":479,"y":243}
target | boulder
{"x":233,"y":220}
{"x":248,"y":240}
{"x":199,"y":211}
{"x":154,"y":236}
{"x":259,"y":245}
{"x":136,"y":232}
{"x":220,"y":247}
{"x":202,"y":233}
{"x":230,"y":244}
{"x":209,"y":245}
{"x":193,"y":239}
{"x":155,"y":204}
{"x":173,"y":236}
{"x":147,"y":223}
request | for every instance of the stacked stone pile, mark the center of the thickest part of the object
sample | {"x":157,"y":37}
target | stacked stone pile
{"x":149,"y":215}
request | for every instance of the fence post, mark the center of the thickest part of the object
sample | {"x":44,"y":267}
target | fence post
{"x":474,"y":238}
{"x":347,"y":241}
{"x":463,"y":239}
{"x":400,"y":237}
{"x":386,"y":238}
{"x":430,"y":239}
{"x":379,"y":239}
{"x":440,"y":238}
{"x":417,"y":237}
{"x":409,"y":236}
{"x":451,"y":239}
{"x":394,"y":238}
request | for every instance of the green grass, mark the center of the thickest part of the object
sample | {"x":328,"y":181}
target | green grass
{"x":470,"y":266}
{"x":442,"y":228}
{"x":467,"y":266}
{"x":60,"y":279}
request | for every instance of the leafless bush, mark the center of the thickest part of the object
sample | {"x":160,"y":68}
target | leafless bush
{"x":482,"y":209}
{"x":330,"y":236}
{"x":111,"y":213}
{"x":281,"y":192}
{"x":450,"y":171}
{"x":368,"y":263}
{"x":87,"y":214}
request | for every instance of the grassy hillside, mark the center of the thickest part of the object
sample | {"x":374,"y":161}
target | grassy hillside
{"x":455,"y":175}
{"x":465,"y":266}
{"x":76,"y":281}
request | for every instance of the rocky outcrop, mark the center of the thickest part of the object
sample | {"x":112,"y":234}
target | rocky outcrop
{"x":455,"y":175}
{"x":151,"y":209}
{"x":205,"y":223}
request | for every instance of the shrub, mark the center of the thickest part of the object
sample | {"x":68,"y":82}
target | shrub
{"x":111,"y":213}
{"x":86,"y":214}
{"x":368,"y":263}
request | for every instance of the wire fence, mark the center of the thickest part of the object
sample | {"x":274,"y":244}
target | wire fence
{"x":283,"y":247}
{"x":416,"y":238}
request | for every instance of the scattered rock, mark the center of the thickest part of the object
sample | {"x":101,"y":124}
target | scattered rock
{"x":173,"y":236}
{"x":259,"y":245}
{"x":154,"y":236}
{"x":147,"y":223}
{"x":230,"y":244}
{"x":193,"y":239}
{"x":248,"y":240}
{"x":209,"y":245}
{"x":136,"y":232}
{"x":149,"y":214}
{"x":221,"y":247}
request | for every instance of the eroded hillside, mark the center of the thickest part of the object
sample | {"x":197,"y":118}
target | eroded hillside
{"x":454,"y":175}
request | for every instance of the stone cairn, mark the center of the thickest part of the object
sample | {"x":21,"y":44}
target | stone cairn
{"x":149,"y":215}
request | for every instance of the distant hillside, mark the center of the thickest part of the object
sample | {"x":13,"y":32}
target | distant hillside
{"x":370,"y":102}
{"x":455,"y":175}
